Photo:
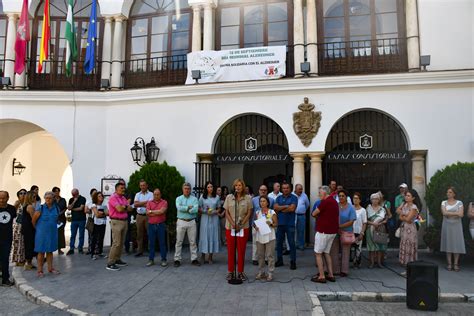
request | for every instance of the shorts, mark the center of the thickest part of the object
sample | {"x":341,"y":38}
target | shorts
{"x":323,"y":242}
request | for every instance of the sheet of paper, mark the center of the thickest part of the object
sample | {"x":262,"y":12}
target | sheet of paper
{"x":263,"y":227}
{"x":239,"y":234}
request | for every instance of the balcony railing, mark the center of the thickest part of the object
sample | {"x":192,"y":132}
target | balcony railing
{"x":335,"y":58}
{"x":362,"y":57}
{"x":155,"y":72}
{"x":54,"y":76}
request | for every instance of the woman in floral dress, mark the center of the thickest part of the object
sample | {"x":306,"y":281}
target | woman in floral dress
{"x":408,"y":212}
{"x":18,"y":246}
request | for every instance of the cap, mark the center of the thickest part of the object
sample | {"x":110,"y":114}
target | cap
{"x":403,"y":185}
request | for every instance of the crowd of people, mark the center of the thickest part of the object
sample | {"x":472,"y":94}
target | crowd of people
{"x":34,"y":229}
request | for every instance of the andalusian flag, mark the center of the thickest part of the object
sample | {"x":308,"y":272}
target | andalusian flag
{"x":45,"y":37}
{"x":71,"y":48}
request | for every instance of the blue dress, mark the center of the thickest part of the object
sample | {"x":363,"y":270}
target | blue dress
{"x":46,"y":239}
{"x":209,"y":234}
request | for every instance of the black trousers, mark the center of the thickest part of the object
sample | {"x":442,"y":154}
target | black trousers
{"x":29,"y":239}
{"x":97,"y":239}
{"x":5,"y":248}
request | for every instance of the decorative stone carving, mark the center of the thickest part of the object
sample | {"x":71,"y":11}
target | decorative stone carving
{"x":307,"y":122}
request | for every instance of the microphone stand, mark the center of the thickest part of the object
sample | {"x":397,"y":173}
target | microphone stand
{"x":235,"y":280}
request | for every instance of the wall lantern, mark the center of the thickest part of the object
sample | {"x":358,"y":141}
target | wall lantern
{"x":144,"y":153}
{"x":17,"y":168}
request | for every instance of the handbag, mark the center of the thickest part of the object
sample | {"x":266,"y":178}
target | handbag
{"x":380,"y":237}
{"x":90,"y":225}
{"x":347,"y":238}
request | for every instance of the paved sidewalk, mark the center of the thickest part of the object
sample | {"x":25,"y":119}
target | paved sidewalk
{"x":87,"y":286}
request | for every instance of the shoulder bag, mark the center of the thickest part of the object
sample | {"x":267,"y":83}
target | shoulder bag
{"x":347,"y":238}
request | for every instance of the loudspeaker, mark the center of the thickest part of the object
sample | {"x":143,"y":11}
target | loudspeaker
{"x":422,"y":286}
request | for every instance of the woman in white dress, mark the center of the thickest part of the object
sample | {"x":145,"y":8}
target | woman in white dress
{"x":452,"y":236}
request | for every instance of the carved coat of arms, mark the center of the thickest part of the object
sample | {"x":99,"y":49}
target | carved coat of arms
{"x":306,"y":123}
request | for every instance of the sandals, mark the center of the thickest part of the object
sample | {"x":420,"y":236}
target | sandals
{"x":54,"y":271}
{"x":449,"y":267}
{"x":317,"y":279}
{"x":456,"y":268}
{"x":40,"y":274}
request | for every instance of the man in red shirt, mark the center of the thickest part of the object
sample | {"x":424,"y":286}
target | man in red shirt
{"x":156,"y":213}
{"x":327,"y":215}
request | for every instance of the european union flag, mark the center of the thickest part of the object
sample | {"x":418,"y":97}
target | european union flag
{"x":89,"y":63}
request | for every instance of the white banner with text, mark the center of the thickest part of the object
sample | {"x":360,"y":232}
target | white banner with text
{"x":256,"y":63}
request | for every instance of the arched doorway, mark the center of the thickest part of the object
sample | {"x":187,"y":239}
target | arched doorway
{"x":46,"y":162}
{"x":367,"y":151}
{"x":252,"y":147}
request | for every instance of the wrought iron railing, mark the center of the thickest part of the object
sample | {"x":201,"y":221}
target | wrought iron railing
{"x":155,"y":72}
{"x":362,"y":57}
{"x":2,"y":66}
{"x":54,"y":76}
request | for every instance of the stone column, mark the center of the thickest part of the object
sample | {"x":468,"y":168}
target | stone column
{"x":312,"y":36}
{"x":106,"y":48}
{"x":208,"y":26}
{"x":298,"y":168}
{"x":316,"y":181}
{"x":196,"y":46}
{"x":298,"y":36}
{"x":10,"y":48}
{"x":116,"y":81}
{"x":413,"y":39}
{"x":418,"y":173}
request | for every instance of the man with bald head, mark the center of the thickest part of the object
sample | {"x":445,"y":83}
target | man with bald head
{"x":7,"y":216}
{"x":78,"y":220}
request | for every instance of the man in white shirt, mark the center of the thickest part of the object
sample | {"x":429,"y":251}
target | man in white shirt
{"x":140,"y":201}
{"x":276,"y":191}
{"x":301,"y":208}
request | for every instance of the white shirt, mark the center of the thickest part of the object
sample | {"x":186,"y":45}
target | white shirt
{"x":263,"y":239}
{"x":140,"y":197}
{"x":101,"y":220}
{"x":361,"y":219}
{"x":273,"y":195}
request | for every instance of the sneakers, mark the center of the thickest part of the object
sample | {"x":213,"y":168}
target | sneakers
{"x":196,"y":263}
{"x":70,"y":252}
{"x":8,"y":283}
{"x":112,"y":267}
{"x":279,"y":263}
{"x":164,"y":263}
{"x":150,"y":263}
{"x":139,"y":254}
{"x":120,"y":263}
{"x":292,"y":265}
{"x":176,"y":264}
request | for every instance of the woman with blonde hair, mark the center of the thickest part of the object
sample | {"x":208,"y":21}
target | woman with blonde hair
{"x":452,"y":237}
{"x":28,"y":230}
{"x":238,"y":209}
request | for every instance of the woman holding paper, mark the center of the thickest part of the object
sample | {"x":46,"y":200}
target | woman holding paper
{"x":238,"y":209}
{"x":265,"y":222}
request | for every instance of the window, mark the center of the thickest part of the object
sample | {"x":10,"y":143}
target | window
{"x":360,"y":28}
{"x":242,"y":24}
{"x":158,"y":30}
{"x":57,"y":48}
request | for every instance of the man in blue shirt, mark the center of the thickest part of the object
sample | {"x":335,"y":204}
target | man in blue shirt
{"x":285,"y":206}
{"x":187,"y":211}
{"x":303,"y":205}
{"x":262,"y":191}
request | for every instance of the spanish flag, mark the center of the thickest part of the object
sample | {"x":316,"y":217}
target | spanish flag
{"x":45,"y":37}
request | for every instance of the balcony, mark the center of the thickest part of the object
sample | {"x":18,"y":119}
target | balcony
{"x":54,"y":76}
{"x":335,"y":58}
{"x":363,"y":57}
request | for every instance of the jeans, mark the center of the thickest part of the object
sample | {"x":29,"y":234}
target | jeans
{"x":300,"y":226}
{"x":5,"y":248}
{"x":289,"y":232}
{"x":154,"y":231}
{"x":81,"y":226}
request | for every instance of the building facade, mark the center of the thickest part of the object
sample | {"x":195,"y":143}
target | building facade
{"x":384,"y":118}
